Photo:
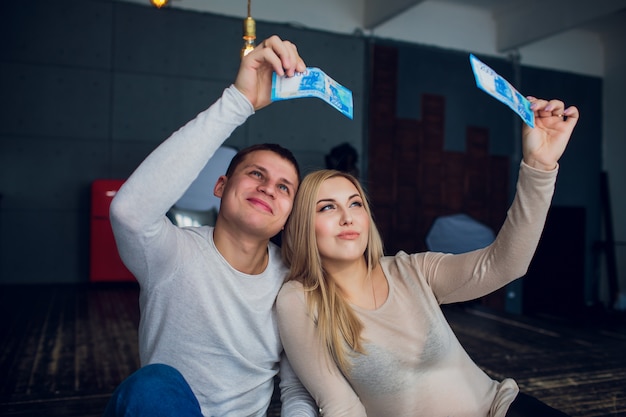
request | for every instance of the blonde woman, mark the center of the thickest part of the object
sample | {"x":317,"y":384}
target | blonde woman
{"x":364,"y":332}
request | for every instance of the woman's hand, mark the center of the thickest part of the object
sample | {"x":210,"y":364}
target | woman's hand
{"x":543,"y":145}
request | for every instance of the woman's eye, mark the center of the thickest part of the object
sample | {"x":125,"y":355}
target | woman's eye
{"x":326,"y":207}
{"x":356,"y":204}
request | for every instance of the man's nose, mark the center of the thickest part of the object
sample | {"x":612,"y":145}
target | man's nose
{"x":267,"y":188}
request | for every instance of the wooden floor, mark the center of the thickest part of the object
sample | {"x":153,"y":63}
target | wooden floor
{"x":64,"y":349}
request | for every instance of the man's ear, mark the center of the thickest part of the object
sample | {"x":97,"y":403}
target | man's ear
{"x":218,"y":190}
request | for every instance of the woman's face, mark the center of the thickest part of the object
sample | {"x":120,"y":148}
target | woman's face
{"x":341,"y":222}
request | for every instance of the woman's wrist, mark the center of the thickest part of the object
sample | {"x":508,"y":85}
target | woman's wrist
{"x":533,"y":163}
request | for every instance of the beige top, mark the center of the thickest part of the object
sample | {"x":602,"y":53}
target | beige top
{"x":414,"y":365}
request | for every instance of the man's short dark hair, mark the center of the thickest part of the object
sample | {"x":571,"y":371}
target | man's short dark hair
{"x":272,"y":147}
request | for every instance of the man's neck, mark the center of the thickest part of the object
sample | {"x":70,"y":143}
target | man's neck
{"x":244,"y":252}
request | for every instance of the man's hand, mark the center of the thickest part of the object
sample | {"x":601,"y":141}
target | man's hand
{"x":254,"y":79}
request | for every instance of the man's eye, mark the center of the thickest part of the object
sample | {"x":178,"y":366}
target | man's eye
{"x":284,"y":188}
{"x":256,"y":174}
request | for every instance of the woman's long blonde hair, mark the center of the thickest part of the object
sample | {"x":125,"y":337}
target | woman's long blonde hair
{"x":337,"y":324}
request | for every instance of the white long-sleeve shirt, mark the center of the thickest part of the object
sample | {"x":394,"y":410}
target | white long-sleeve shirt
{"x":214,"y":324}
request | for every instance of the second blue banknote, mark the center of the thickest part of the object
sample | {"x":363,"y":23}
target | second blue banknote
{"x":489,"y":81}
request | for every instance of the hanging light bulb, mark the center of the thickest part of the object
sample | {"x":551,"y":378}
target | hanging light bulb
{"x":159,"y":3}
{"x":249,"y":33}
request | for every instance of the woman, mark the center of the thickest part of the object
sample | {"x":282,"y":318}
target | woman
{"x":365,"y":333}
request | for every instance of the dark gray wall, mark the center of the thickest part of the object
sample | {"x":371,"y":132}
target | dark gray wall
{"x":90,"y":87}
{"x":578,"y":184}
{"x":425,"y":69}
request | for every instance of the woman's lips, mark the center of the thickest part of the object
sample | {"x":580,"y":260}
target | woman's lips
{"x":350,"y":235}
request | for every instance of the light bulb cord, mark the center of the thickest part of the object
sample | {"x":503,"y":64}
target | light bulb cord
{"x":249,"y":33}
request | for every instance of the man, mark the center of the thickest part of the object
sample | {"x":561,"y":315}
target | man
{"x":208,"y":339}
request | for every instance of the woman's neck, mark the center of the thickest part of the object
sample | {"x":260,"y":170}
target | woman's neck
{"x":357,"y":285}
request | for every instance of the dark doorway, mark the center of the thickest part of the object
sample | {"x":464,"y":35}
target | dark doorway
{"x":554,"y":283}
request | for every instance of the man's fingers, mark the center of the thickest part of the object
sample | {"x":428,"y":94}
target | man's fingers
{"x":282,"y":55}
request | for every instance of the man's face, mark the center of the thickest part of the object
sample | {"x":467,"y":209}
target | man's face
{"x":258,"y":196}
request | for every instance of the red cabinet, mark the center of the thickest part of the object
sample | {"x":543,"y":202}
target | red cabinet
{"x":105,"y":263}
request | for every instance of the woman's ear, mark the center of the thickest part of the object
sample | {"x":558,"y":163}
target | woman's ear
{"x":218,"y":190}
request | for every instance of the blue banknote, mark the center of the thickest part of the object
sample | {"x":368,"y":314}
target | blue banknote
{"x":492,"y":83}
{"x":313,"y":83}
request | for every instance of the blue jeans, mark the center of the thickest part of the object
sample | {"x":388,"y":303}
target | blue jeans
{"x":155,"y":390}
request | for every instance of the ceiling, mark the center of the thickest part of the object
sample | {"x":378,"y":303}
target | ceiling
{"x":519,"y":23}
